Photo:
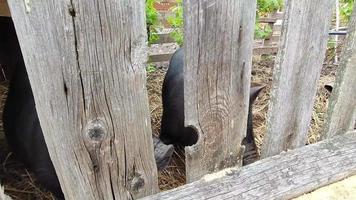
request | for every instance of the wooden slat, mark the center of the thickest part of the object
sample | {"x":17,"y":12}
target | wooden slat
{"x":218,"y":54}
{"x":269,"y":20}
{"x":265,"y":50}
{"x":297,"y":70}
{"x":256,"y":51}
{"x":342,"y":105}
{"x":284,"y":176}
{"x":160,"y":57}
{"x":86,"y":64}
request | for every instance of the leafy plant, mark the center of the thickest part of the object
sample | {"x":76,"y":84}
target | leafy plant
{"x":262,"y":32}
{"x":176,"y":21}
{"x":346,"y":9}
{"x":150,"y":68}
{"x":268,"y":6}
{"x":264,"y":7}
{"x":152,"y":21}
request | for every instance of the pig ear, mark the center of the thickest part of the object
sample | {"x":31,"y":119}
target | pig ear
{"x":254,"y":91}
{"x":328,"y":87}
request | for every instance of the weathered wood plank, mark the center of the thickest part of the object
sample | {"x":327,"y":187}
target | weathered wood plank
{"x":272,"y":49}
{"x":342,"y":104}
{"x":283,"y":176}
{"x":269,"y":20}
{"x":297,"y":70}
{"x":218,"y":46}
{"x":160,"y":57}
{"x":265,"y":50}
{"x":4,"y":8}
{"x":86,"y":64}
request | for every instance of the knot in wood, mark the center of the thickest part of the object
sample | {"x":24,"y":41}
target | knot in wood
{"x":95,"y":131}
{"x":137,"y":183}
{"x":214,"y":117}
{"x":212,"y":122}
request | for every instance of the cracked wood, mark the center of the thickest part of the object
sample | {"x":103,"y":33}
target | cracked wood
{"x":86,"y":64}
{"x":296,"y":72}
{"x":218,"y":46}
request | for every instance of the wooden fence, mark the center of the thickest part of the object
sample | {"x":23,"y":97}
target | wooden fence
{"x":268,"y":45}
{"x":86,"y":64}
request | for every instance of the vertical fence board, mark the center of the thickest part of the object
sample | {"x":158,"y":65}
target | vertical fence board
{"x":297,"y":70}
{"x":342,"y":105}
{"x":218,"y":46}
{"x":86,"y":64}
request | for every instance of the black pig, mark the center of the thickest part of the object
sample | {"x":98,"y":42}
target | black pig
{"x":172,"y":126}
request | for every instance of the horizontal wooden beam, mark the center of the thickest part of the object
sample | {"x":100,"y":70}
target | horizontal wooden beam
{"x":265,"y":50}
{"x":284,"y":176}
{"x":160,"y":57}
{"x":164,"y":38}
{"x":267,"y":20}
{"x":256,"y":51}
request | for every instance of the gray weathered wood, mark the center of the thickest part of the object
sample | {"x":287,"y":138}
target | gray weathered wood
{"x":297,"y":70}
{"x":160,"y":57}
{"x":4,"y":8}
{"x":268,"y":20}
{"x":262,"y":50}
{"x":86,"y":64}
{"x":218,"y":46}
{"x":284,"y":176}
{"x":342,"y":105}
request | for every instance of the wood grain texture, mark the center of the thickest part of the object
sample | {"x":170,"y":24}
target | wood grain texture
{"x":218,"y":46}
{"x":342,"y":104}
{"x":283,"y":176}
{"x":296,"y":72}
{"x":86,"y":64}
{"x":4,"y":8}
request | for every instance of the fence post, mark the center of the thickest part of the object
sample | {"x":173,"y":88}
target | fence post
{"x":218,"y":54}
{"x":86,"y":64}
{"x":297,"y":70}
{"x":342,"y":105}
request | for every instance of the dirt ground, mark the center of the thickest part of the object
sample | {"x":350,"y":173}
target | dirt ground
{"x":20,"y":184}
{"x":342,"y":190}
